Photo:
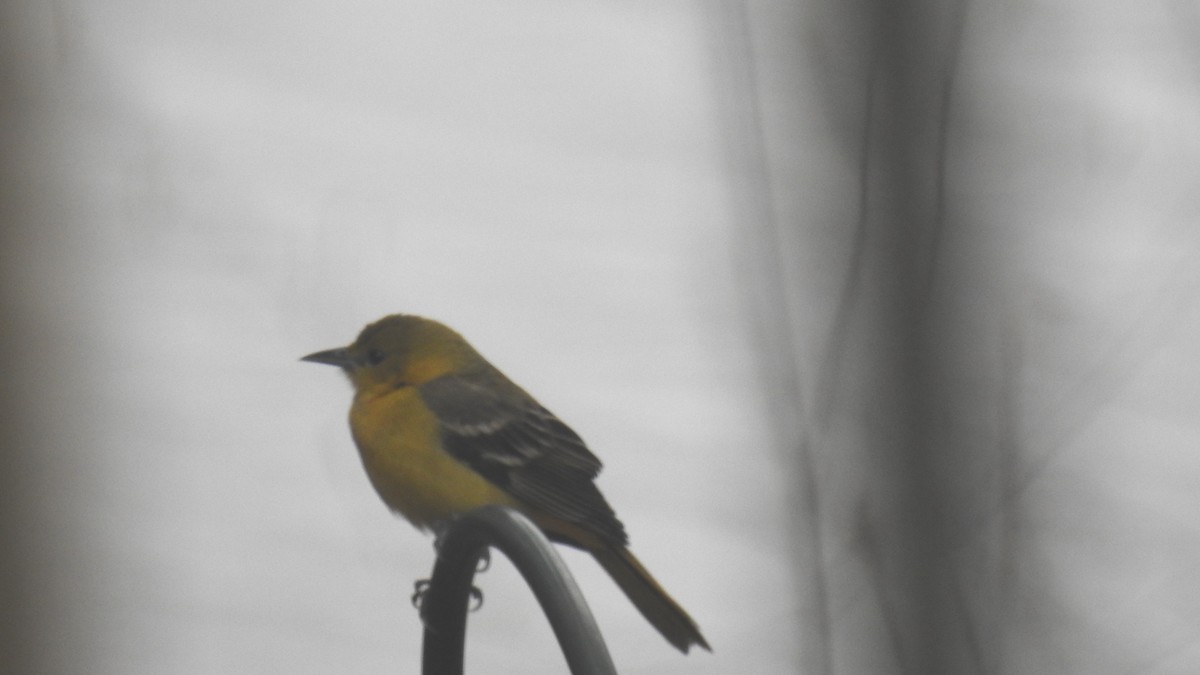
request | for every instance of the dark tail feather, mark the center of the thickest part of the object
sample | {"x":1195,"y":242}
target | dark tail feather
{"x":651,"y":600}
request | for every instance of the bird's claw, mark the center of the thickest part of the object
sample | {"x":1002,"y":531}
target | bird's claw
{"x":421,"y":588}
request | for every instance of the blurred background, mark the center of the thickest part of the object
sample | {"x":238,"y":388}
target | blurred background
{"x":882,"y":315}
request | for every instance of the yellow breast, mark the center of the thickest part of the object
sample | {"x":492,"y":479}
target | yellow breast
{"x":397,"y":437}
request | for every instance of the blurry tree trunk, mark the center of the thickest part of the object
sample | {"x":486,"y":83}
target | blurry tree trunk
{"x":854,"y":377}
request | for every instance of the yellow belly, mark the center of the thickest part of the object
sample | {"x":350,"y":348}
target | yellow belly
{"x":398,"y":440}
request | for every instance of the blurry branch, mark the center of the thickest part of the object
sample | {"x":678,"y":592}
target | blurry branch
{"x":898,"y":231}
{"x":872,"y":551}
{"x":953,"y":63}
{"x":773,"y":308}
{"x":836,"y":346}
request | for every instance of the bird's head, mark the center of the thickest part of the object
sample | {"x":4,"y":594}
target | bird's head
{"x":400,"y":350}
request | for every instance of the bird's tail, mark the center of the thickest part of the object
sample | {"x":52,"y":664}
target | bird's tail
{"x":651,"y":600}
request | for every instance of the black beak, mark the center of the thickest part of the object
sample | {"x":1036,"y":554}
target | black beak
{"x":339,"y":357}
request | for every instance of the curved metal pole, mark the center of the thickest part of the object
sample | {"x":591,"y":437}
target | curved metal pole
{"x":460,"y":548}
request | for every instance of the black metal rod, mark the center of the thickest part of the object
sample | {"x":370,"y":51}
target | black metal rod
{"x":461,"y":547}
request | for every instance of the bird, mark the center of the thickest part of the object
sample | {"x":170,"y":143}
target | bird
{"x":441,"y":432}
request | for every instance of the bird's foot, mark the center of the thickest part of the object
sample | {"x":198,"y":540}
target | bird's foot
{"x":421,"y":589}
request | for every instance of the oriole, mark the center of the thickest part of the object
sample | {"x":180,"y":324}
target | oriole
{"x":441,"y":432}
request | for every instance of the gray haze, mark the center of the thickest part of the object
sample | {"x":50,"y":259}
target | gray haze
{"x":670,"y":222}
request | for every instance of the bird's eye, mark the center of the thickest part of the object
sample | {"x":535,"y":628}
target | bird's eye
{"x":375,"y":357}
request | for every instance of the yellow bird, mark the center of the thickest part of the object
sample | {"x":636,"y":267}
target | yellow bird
{"x":442,"y":432}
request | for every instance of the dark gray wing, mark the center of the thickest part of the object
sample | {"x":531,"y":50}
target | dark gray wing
{"x":495,"y":428}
